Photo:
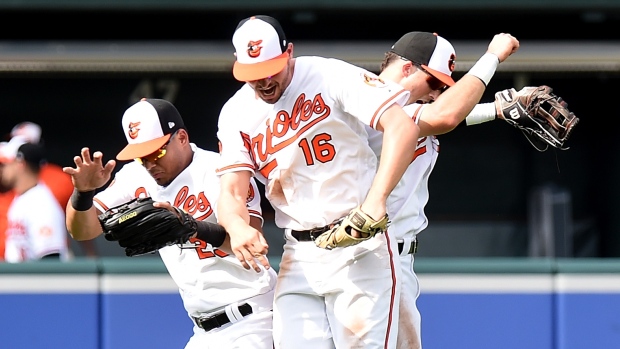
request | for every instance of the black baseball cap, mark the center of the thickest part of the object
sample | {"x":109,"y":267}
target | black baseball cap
{"x":32,"y":153}
{"x":148,"y":125}
{"x":434,"y":53}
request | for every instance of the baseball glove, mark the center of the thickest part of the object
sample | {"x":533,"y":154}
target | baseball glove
{"x":141,"y":228}
{"x":340,"y":234}
{"x":542,"y":116}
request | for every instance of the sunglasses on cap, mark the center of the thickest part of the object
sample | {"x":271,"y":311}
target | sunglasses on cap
{"x":156,"y":155}
{"x":434,"y":83}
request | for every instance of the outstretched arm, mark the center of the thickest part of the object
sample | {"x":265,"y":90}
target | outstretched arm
{"x":88,"y":175}
{"x":247,"y":243}
{"x":453,"y":106}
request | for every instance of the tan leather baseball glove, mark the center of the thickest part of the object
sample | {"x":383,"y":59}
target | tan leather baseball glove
{"x":340,"y":234}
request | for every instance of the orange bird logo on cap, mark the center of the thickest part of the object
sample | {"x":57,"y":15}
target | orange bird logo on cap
{"x":452,"y":62}
{"x":133,"y":130}
{"x":254,"y":49}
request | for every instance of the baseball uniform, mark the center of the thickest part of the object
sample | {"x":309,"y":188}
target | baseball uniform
{"x":405,"y":208}
{"x":311,"y":151}
{"x":210,"y":281}
{"x":36,"y":226}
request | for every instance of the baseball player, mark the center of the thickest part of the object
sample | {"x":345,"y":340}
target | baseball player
{"x":52,"y":175}
{"x":298,"y":126}
{"x":423,"y":63}
{"x":229,"y":305}
{"x":35,"y":220}
{"x":6,"y":197}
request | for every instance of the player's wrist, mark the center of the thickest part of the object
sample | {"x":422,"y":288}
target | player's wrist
{"x":211,"y":233}
{"x":481,"y":113}
{"x":82,"y":200}
{"x":485,"y":67}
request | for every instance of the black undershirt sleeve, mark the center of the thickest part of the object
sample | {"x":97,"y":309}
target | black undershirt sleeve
{"x":211,"y":233}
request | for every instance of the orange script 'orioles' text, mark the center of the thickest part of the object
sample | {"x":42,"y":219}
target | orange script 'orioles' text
{"x":303,"y":111}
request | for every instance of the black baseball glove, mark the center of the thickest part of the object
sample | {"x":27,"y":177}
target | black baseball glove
{"x":141,"y":228}
{"x":542,"y":116}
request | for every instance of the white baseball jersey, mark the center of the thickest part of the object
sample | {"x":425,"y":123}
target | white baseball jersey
{"x":208,"y":278}
{"x":311,"y":150}
{"x":405,"y":205}
{"x":405,"y":208}
{"x":36,"y":226}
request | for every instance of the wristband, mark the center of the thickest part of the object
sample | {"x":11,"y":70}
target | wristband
{"x":82,"y":200}
{"x":481,"y":113}
{"x":211,"y":233}
{"x":485,"y":68}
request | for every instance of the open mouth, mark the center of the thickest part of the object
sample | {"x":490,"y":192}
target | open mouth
{"x":268,"y":91}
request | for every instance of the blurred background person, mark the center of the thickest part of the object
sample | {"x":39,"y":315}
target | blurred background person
{"x":36,"y":221}
{"x":6,"y":196}
{"x":52,"y":175}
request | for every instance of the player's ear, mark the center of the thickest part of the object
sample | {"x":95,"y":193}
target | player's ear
{"x":407,"y":69}
{"x":289,"y":49}
{"x":182,"y":136}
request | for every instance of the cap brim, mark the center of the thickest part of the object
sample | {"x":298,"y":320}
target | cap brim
{"x":138,"y":150}
{"x":258,"y":71}
{"x":446,"y":79}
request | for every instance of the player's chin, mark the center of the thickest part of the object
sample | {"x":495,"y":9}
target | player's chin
{"x":161,"y":181}
{"x":270,"y":96}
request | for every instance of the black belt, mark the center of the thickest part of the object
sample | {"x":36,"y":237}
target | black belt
{"x":220,"y":319}
{"x":309,"y":235}
{"x":413,"y":248}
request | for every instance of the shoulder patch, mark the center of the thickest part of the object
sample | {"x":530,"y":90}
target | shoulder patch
{"x":251,"y":194}
{"x":372,"y":80}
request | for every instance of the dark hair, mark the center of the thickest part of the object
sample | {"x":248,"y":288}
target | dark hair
{"x":388,"y":59}
{"x":33,"y":155}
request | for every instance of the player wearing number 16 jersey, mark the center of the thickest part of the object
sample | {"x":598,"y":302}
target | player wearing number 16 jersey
{"x":298,"y":125}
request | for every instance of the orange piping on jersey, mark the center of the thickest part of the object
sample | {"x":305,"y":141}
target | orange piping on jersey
{"x":376,"y":114}
{"x":255,"y":213}
{"x":418,"y":152}
{"x":415,"y":114}
{"x":266,"y":170}
{"x":104,"y":207}
{"x":303,"y":110}
{"x":242,"y":166}
{"x":393,"y":295}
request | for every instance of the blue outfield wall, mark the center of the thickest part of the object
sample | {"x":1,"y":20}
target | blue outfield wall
{"x":118,"y":303}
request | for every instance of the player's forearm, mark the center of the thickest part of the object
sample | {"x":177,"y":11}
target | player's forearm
{"x":399,"y":143}
{"x":81,"y":217}
{"x":82,"y":225}
{"x":452,"y":107}
{"x":232,"y":211}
